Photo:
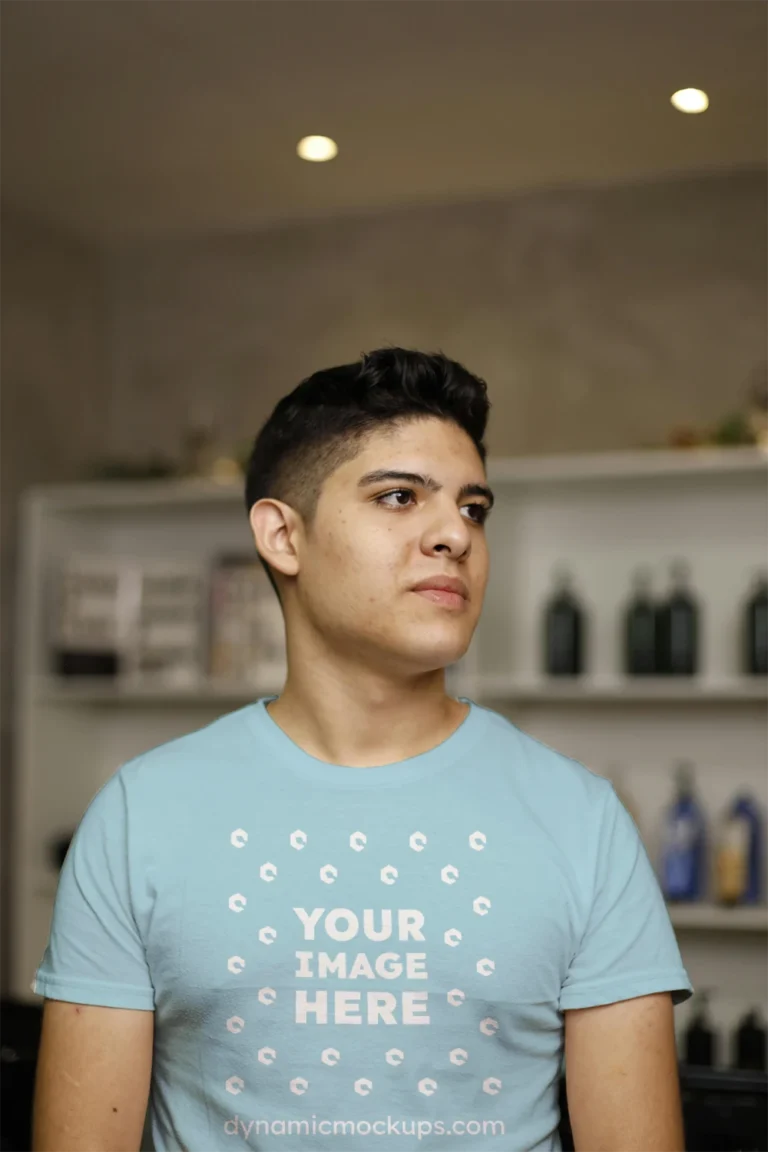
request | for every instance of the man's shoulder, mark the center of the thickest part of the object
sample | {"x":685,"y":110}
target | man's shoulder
{"x":222,"y":743}
{"x":540,"y":767}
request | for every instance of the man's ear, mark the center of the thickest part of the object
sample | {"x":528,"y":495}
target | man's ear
{"x":276,"y":531}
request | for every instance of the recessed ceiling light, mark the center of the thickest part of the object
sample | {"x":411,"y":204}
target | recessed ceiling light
{"x":317,"y":148}
{"x":690,"y":100}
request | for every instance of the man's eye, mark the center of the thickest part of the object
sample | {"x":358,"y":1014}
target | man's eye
{"x":480,"y":511}
{"x":395,"y":492}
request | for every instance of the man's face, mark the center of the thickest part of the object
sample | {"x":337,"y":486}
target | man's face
{"x":373,"y":539}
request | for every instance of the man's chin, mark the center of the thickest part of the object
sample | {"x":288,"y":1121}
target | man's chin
{"x":436,"y":654}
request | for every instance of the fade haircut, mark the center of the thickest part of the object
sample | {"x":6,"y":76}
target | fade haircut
{"x":325,"y":420}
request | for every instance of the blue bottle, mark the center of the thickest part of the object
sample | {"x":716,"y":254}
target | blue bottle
{"x":682,"y":861}
{"x":739,"y":853}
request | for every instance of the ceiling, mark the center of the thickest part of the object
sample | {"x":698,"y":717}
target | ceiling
{"x":144,"y":116}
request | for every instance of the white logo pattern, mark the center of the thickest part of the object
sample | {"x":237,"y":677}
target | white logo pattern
{"x":449,"y":874}
{"x":489,"y":1026}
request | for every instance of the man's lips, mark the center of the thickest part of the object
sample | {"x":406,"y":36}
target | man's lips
{"x":448,"y":591}
{"x":442,"y":596}
{"x":443,"y":584}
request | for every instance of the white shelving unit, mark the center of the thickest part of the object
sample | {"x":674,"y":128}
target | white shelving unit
{"x":604,"y":515}
{"x":710,"y":918}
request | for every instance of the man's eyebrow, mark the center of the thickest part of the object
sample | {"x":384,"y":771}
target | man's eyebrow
{"x":416,"y":478}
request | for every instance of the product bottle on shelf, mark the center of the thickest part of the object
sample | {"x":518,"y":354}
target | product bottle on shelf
{"x":749,"y":1043}
{"x":738,"y":855}
{"x":677,"y":627}
{"x":699,"y":1039}
{"x":755,"y":639}
{"x":564,"y":629}
{"x":682,"y":856}
{"x":640,"y":628}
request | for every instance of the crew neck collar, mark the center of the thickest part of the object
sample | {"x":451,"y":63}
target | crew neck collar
{"x":401,"y":772}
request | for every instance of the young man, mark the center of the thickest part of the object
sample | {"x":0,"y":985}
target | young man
{"x":362,"y":914}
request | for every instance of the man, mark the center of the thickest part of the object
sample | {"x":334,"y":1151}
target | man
{"x":362,"y":914}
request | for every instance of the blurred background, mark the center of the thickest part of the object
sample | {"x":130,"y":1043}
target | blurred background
{"x":570,"y":198}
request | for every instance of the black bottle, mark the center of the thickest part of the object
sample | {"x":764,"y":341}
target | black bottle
{"x":563,"y":629}
{"x":749,"y":1044}
{"x":640,"y":628}
{"x":677,"y":627}
{"x":699,"y":1036}
{"x":755,"y":654}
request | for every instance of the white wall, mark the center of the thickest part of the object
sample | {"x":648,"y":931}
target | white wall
{"x":599,"y":317}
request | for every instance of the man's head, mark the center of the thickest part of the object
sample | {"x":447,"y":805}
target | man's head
{"x":344,"y":547}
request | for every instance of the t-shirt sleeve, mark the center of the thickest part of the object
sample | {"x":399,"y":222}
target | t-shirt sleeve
{"x":95,"y":954}
{"x":628,"y":947}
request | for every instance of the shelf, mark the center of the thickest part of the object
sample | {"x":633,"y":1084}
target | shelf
{"x":684,"y":917}
{"x":138,"y":494}
{"x":711,"y":918}
{"x":641,"y":464}
{"x":668,"y":690}
{"x":501,"y":688}
{"x":561,"y":469}
{"x":88,"y":690}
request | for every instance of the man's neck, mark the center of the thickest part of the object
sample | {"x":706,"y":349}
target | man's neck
{"x":363,"y":723}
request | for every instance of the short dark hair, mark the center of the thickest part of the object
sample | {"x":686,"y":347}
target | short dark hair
{"x":323,"y":422}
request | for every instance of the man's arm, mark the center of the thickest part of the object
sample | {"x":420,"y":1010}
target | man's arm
{"x":622,"y":1077}
{"x":93,"y":1075}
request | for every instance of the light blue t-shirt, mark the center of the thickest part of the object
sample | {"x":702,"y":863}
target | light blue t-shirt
{"x":353,"y":959}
